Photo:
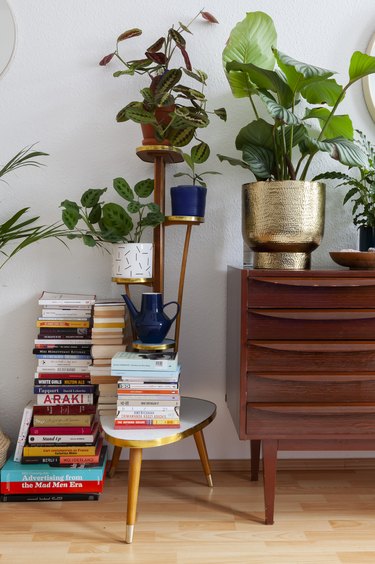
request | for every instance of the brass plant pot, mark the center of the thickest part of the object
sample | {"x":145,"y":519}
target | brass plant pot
{"x":283,"y":222}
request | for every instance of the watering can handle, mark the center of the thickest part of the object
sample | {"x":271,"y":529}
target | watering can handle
{"x":177,"y":312}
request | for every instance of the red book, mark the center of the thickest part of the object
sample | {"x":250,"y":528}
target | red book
{"x":127,"y":426}
{"x":56,"y":486}
{"x":63,"y":375}
{"x":60,"y":430}
{"x":64,"y":409}
{"x":127,"y":391}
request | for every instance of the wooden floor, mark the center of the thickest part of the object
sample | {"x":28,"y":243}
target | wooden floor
{"x":321,"y":517}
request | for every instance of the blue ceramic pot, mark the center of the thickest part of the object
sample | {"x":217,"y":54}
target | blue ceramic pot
{"x":188,"y":200}
{"x":366,"y":237}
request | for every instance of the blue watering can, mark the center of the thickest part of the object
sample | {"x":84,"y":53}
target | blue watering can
{"x":151,"y":323}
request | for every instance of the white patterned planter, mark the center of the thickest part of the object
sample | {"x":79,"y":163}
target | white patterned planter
{"x":132,"y":260}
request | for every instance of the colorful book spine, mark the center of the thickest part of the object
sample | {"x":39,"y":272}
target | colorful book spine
{"x":61,"y":382}
{"x":64,"y":399}
{"x":62,"y":323}
{"x":50,"y":497}
{"x":64,"y":459}
{"x":59,"y":438}
{"x":68,"y":430}
{"x":56,"y":486}
{"x":58,"y":450}
{"x":65,"y":362}
{"x":23,"y":431}
{"x":54,"y":355}
{"x":69,"y":389}
{"x":64,"y":409}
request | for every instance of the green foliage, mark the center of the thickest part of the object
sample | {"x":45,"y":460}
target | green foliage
{"x":166,"y":66}
{"x":198,"y":155}
{"x":97,"y":222}
{"x":300,"y":100}
{"x":20,"y":231}
{"x":361,"y":191}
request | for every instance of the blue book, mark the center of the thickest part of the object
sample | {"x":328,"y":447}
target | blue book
{"x":80,"y":389}
{"x":146,"y":375}
{"x":65,"y":356}
{"x":17,"y":472}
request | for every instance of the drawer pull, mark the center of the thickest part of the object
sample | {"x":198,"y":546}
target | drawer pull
{"x":318,"y":409}
{"x":318,"y":282}
{"x":312,"y":314}
{"x":316,"y":346}
{"x":317,"y":378}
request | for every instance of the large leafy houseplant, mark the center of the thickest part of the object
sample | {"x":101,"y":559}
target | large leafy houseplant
{"x":166,"y":66}
{"x":96,"y":222}
{"x":300,"y":102}
{"x":19,"y":231}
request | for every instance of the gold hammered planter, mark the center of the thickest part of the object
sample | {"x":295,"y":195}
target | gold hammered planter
{"x":283,"y":222}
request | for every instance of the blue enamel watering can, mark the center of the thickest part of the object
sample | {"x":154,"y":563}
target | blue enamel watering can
{"x":151,"y":323}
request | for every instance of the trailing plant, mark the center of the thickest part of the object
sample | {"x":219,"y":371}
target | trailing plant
{"x":300,"y":101}
{"x":198,"y":155}
{"x":97,"y":222}
{"x":20,"y":231}
{"x":166,"y":87}
{"x":362,"y":189}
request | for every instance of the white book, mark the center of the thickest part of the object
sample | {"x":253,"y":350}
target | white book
{"x":24,"y":429}
{"x":62,"y":341}
{"x":59,"y":313}
{"x":64,"y":362}
{"x":65,"y":298}
{"x":62,"y":369}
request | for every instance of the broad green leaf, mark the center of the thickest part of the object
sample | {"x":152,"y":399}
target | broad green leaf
{"x":144,"y":188}
{"x":258,"y":132}
{"x":200,"y":76}
{"x":153,"y":219}
{"x":70,"y":217}
{"x":296,"y":72}
{"x":89,"y":240}
{"x":68,"y":204}
{"x":95,"y":214}
{"x":278,"y":112}
{"x":148,"y":96}
{"x":221,"y":113}
{"x":91,"y":197}
{"x":338,"y":126}
{"x":116,"y":219}
{"x":123,"y":189}
{"x":234,"y":162}
{"x":169,"y":79}
{"x":194,"y":117}
{"x":321,"y":91}
{"x":250,"y":41}
{"x":260,"y":160}
{"x":293,"y":134}
{"x":181,"y":137}
{"x":136,"y":113}
{"x":134,"y":207}
{"x":200,"y":153}
{"x":153,"y":207}
{"x":361,"y":65}
{"x":188,"y":160}
{"x":342,"y":150}
{"x":266,"y":80}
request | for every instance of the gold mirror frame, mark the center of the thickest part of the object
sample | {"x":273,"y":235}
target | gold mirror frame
{"x":368,"y":82}
{"x":7,"y":35}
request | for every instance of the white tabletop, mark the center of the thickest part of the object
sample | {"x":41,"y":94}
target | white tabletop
{"x":195,"y":414}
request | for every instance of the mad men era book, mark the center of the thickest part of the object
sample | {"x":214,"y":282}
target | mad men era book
{"x":145,"y":360}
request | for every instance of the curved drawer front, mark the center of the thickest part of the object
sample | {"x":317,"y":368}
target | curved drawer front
{"x":313,"y":421}
{"x":317,"y":356}
{"x":318,"y":324}
{"x":311,"y":292}
{"x":310,"y":387}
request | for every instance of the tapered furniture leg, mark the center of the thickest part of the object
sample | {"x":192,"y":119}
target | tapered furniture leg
{"x":255,"y":458}
{"x":135,"y":462}
{"x":269,"y":477}
{"x":202,"y":450}
{"x":115,"y":460}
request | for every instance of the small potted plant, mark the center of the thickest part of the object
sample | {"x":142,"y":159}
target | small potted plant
{"x":301,"y":103}
{"x":98,"y":223}
{"x":170,"y":110}
{"x":190,"y":199}
{"x":361,"y":193}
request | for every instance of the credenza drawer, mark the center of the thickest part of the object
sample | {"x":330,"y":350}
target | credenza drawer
{"x":312,"y":356}
{"x":294,"y":292}
{"x":307,"y":387}
{"x":335,"y":324}
{"x":312,"y":421}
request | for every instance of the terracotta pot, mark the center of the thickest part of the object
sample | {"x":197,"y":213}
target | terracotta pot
{"x":163,"y":117}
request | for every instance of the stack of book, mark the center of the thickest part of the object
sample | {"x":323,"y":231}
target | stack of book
{"x":60,"y":427}
{"x":108,"y":338}
{"x":148,"y":394}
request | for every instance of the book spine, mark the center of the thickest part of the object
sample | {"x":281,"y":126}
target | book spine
{"x":68,"y":486}
{"x":62,"y":323}
{"x":58,"y":450}
{"x":51,"y":342}
{"x":50,"y":497}
{"x":66,"y":355}
{"x":138,"y":391}
{"x":64,"y":399}
{"x":60,"y":430}
{"x":162,"y":398}
{"x":61,"y":439}
{"x":66,"y":362}
{"x":64,"y":409}
{"x":144,"y":364}
{"x":147,"y":385}
{"x":61,"y":381}
{"x":24,"y":428}
{"x":149,"y":403}
{"x":50,"y":474}
{"x":67,"y":375}
{"x":64,"y":333}
{"x":76,"y":371}
{"x":59,"y":313}
{"x":62,"y":420}
{"x":69,"y":389}
{"x":145,"y":416}
{"x":143,"y":425}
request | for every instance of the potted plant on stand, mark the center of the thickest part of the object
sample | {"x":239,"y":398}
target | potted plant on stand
{"x":190,"y":199}
{"x":98,"y":223}
{"x":283,"y":213}
{"x":170,"y":110}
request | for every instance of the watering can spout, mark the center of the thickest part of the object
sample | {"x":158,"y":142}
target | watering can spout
{"x":131,"y":307}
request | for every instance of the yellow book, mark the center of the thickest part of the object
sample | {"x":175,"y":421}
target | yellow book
{"x":109,"y":322}
{"x":56,"y":450}
{"x":61,"y":323}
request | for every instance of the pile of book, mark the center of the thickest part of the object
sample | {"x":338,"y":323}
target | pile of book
{"x":108,"y":338}
{"x":60,"y":428}
{"x":148,"y":394}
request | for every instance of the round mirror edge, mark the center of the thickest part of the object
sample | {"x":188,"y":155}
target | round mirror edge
{"x":369,"y":96}
{"x":13,"y":20}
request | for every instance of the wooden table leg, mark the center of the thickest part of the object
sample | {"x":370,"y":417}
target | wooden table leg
{"x":202,"y":450}
{"x":114,"y":462}
{"x":255,"y":458}
{"x":135,"y":462}
{"x":269,"y":477}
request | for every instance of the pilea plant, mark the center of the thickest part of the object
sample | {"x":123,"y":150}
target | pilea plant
{"x":97,"y":222}
{"x":166,"y":64}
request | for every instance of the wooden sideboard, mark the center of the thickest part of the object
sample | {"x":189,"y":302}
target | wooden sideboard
{"x":300,"y":363}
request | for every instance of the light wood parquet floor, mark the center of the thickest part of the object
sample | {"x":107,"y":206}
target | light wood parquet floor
{"x":322,"y":516}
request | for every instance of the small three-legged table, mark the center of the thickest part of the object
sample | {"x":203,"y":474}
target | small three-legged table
{"x":195,"y":415}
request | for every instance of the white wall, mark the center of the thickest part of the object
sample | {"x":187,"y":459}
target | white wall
{"x":55,"y":93}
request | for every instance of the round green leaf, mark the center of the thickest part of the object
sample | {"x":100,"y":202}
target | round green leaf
{"x":89,"y":240}
{"x":70,"y":217}
{"x":144,"y":188}
{"x":116,"y":219}
{"x":200,"y":153}
{"x":95,"y":214}
{"x":123,"y":189}
{"x":91,"y":197}
{"x":134,"y":207}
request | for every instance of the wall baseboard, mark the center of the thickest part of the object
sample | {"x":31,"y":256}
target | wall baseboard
{"x":243,"y":465}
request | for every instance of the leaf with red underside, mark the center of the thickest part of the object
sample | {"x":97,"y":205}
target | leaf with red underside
{"x":209,"y":17}
{"x":105,"y":60}
{"x":156,"y":46}
{"x":129,"y":33}
{"x":158,"y":58}
{"x":186,"y":58}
